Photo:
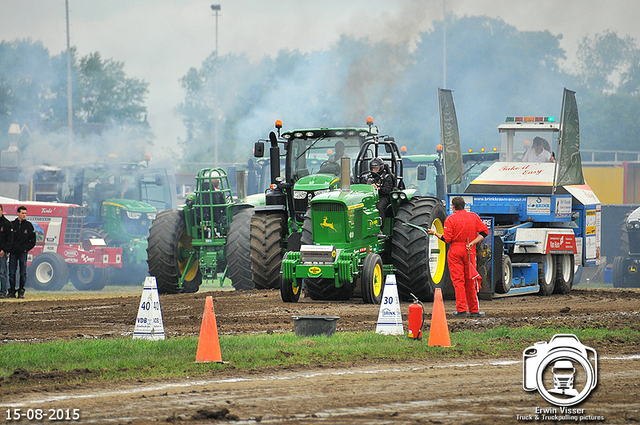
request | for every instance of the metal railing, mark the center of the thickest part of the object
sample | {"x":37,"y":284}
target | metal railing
{"x":611,"y":157}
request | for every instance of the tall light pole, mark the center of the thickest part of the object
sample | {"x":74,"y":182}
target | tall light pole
{"x":69,"y":89}
{"x":444,"y":44}
{"x":216,"y":9}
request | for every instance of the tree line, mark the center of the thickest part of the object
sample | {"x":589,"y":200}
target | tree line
{"x":494,"y":70}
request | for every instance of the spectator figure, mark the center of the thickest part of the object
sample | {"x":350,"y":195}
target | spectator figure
{"x":383,"y":181}
{"x":332,"y":165}
{"x":6,"y":237}
{"x":339,"y":152}
{"x":24,"y":239}
{"x":463,"y":230}
{"x":537,"y":152}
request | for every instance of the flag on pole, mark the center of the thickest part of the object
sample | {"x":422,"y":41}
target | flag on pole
{"x":473,"y":272}
{"x":452,"y":151}
{"x":569,"y":163}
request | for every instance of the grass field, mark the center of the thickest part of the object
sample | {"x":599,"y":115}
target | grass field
{"x":126,"y":359}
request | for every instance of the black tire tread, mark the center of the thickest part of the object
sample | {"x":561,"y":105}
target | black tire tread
{"x":409,"y":247}
{"x":562,"y":287}
{"x":239,"y":251}
{"x":266,"y":250}
{"x":619,"y":277}
{"x":162,"y":253}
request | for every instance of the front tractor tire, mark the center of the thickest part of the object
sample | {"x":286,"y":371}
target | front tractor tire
{"x":167,"y":254}
{"x":239,"y":250}
{"x":419,"y":261}
{"x":289,"y":292}
{"x":267,"y":232}
{"x":372,"y":279}
{"x":48,"y":272}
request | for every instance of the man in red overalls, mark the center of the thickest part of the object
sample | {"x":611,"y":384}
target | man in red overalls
{"x":463,"y":230}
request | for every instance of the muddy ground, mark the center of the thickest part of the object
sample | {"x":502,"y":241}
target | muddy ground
{"x":472,"y":390}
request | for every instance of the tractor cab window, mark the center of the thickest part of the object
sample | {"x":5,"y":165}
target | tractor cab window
{"x":517,"y":142}
{"x":323,"y":155}
{"x":155,"y":189}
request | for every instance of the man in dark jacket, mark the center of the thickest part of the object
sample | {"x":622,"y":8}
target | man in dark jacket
{"x":24,"y":239}
{"x":384,"y":182}
{"x":5,"y":246}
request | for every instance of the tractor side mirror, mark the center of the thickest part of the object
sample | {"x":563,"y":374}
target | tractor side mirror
{"x":258,"y":150}
{"x":422,"y":172}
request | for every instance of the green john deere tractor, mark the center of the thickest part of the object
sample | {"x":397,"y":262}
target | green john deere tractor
{"x":310,"y":159}
{"x":209,"y":236}
{"x":347,"y":248}
{"x":122,"y":199}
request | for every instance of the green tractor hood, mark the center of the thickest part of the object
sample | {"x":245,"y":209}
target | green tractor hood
{"x":129,"y":205}
{"x":126,"y":218}
{"x":341,"y":217}
{"x":317,"y":182}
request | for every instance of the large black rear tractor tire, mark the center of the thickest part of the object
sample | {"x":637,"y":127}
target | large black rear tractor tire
{"x":306,"y":238}
{"x":266,"y":249}
{"x":372,"y":279}
{"x":564,"y":273}
{"x":420,"y":262}
{"x":47,"y":272}
{"x":239,"y":250}
{"x":167,"y":239}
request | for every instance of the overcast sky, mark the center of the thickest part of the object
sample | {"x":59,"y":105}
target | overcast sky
{"x":159,"y":40}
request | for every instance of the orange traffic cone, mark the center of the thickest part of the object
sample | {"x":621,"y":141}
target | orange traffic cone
{"x":208,"y":344}
{"x":439,"y":331}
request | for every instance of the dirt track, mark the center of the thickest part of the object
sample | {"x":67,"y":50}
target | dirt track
{"x":470,"y":391}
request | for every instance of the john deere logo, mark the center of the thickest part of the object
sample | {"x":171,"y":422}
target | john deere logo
{"x":633,"y":269}
{"x":314,"y":270}
{"x":329,"y":225}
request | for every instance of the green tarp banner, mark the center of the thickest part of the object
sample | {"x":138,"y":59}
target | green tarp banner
{"x":569,"y":163}
{"x":452,"y":153}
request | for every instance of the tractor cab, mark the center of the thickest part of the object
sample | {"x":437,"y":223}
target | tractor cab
{"x":311,"y":163}
{"x":518,"y":135}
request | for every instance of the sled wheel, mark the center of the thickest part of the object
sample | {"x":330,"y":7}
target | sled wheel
{"x":564,"y":273}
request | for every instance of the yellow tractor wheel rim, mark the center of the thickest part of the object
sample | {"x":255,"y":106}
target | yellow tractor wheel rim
{"x":184,"y":244}
{"x":437,"y":252}
{"x":377,"y":280}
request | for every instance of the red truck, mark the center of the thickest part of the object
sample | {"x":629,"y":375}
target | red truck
{"x":63,"y":251}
